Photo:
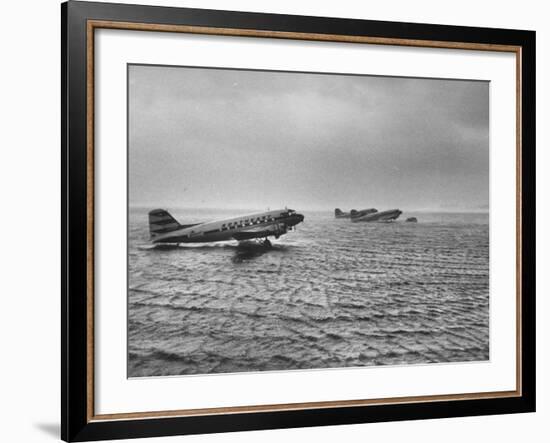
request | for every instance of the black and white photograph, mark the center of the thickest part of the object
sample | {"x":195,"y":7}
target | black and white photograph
{"x":298,"y":220}
{"x":275,"y":221}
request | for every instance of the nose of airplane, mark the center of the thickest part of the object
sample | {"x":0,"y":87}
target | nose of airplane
{"x":295,"y":219}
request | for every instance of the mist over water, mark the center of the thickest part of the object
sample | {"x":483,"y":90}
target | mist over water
{"x":331,"y":294}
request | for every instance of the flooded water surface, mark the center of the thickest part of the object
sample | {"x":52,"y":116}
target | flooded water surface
{"x":330,"y":294}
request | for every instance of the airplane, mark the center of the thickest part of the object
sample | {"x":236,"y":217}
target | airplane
{"x":375,"y":216}
{"x":357,"y":214}
{"x":338,"y":213}
{"x":164,"y":228}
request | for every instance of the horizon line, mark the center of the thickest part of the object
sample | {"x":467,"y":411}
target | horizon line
{"x":315,"y":209}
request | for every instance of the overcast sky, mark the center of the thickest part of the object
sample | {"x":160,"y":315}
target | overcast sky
{"x":218,"y":138}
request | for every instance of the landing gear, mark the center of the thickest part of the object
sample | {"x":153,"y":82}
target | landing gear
{"x":267,"y":244}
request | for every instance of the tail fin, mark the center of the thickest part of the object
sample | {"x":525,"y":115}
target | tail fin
{"x":160,"y":222}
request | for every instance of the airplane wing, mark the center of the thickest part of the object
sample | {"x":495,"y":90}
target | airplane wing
{"x":260,"y":232}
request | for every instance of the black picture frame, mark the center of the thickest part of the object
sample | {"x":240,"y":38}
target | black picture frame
{"x":77,"y":424}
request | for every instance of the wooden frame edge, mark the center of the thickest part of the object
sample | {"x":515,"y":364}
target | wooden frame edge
{"x":90,"y":207}
{"x":338,"y":38}
{"x":91,"y":25}
{"x":519,"y":222}
{"x":303,"y":406}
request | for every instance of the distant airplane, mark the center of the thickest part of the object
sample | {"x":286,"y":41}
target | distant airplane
{"x":361,"y":213}
{"x":384,"y":216}
{"x":164,"y":228}
{"x":368,"y":215}
{"x":338,"y":213}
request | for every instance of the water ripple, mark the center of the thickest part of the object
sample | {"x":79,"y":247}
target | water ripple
{"x":331,"y":294}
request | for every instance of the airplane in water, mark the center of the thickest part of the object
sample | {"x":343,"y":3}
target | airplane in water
{"x":368,"y":215}
{"x":354,"y":213}
{"x":338,"y":213}
{"x":164,"y":228}
{"x":375,"y":216}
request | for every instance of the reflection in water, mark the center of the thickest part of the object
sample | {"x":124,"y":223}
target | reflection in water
{"x":244,"y":250}
{"x":249,"y":251}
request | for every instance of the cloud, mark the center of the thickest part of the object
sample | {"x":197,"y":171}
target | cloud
{"x":257,"y":138}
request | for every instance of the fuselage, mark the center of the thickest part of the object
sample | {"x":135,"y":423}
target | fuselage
{"x":338,"y":213}
{"x":257,"y":225}
{"x":362,"y":212}
{"x":381,"y":216}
